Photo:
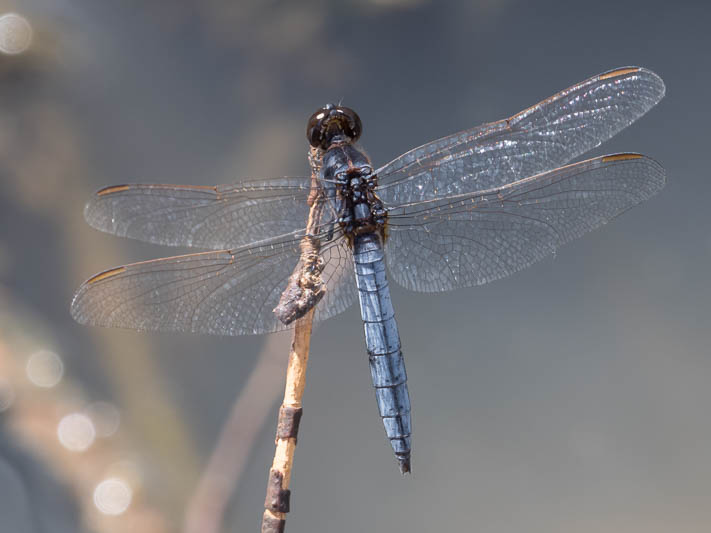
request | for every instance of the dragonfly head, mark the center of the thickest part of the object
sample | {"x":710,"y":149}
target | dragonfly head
{"x":332,"y":124}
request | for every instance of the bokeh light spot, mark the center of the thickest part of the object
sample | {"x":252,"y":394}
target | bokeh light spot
{"x":76,"y":432}
{"x":45,"y":369}
{"x":15,"y":33}
{"x":112,"y":496}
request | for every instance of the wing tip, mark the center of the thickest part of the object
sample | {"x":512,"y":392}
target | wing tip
{"x":78,"y":307}
{"x":658,"y":175}
{"x":74,"y":307}
{"x":95,"y":210}
{"x":624,"y":71}
{"x":629,"y":156}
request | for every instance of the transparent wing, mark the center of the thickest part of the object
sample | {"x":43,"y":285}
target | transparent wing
{"x":228,"y":292}
{"x":475,"y":238}
{"x":339,"y":276}
{"x":540,"y":138}
{"x":216,"y":218}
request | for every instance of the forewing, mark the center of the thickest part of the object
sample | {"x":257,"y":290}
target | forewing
{"x":475,"y":238}
{"x":540,"y":138}
{"x":228,"y":292}
{"x":216,"y":218}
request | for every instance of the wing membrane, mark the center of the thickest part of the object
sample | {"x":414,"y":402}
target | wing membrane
{"x":475,"y":238}
{"x":540,"y":138}
{"x":228,"y":292}
{"x":216,"y":218}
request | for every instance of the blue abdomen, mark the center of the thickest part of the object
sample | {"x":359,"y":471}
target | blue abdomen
{"x":383,"y":343}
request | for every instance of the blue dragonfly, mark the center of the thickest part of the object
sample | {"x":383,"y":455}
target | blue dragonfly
{"x":456,"y":212}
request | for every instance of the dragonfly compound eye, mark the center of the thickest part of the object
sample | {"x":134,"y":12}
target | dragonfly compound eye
{"x":332,"y":124}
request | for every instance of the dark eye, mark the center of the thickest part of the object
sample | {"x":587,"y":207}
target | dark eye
{"x":333,"y":124}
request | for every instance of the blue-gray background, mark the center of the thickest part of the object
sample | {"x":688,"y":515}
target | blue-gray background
{"x":572,"y":397}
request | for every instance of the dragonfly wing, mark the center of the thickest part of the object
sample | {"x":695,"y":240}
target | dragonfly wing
{"x":339,"y":276}
{"x":216,"y":218}
{"x":479,"y":237}
{"x":228,"y":292}
{"x":540,"y":138}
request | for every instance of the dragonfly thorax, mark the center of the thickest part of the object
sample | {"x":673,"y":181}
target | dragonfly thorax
{"x":358,"y":206}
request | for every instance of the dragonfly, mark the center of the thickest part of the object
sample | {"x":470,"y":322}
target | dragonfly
{"x":460,"y":211}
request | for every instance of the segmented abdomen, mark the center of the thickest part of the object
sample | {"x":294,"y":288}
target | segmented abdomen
{"x":383,"y":343}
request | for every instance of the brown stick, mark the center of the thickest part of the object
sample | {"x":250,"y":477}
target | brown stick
{"x":276,"y":504}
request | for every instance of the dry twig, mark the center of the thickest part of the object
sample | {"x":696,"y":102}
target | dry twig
{"x":276,"y":504}
{"x":308,"y":288}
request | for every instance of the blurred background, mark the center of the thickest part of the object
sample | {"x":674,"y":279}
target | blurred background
{"x":572,"y":397}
